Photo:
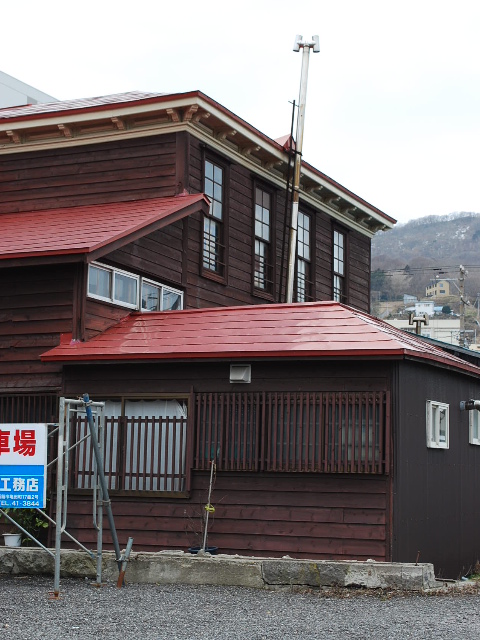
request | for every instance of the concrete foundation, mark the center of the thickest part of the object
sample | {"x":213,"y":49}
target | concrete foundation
{"x":177,"y":567}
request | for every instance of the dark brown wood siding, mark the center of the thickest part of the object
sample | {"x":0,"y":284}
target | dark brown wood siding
{"x":318,"y":515}
{"x":239,"y":212}
{"x":91,"y":174}
{"x":35,"y":308}
{"x":303,"y":515}
{"x":435,"y":490}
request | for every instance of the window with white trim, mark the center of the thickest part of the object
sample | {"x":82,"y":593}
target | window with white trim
{"x":338,"y":266}
{"x":474,"y":426}
{"x":213,"y":246}
{"x":437,"y":424}
{"x":130,"y":290}
{"x":262,"y":276}
{"x":303,"y":257}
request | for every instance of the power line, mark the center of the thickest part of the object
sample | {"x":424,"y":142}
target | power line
{"x":407,"y":270}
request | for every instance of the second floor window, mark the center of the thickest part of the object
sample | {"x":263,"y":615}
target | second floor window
{"x":338,"y":266}
{"x":130,"y":290}
{"x":303,"y":257}
{"x":213,"y":247}
{"x":262,"y":272}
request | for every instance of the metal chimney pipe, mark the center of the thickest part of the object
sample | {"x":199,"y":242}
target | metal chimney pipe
{"x":306,"y":46}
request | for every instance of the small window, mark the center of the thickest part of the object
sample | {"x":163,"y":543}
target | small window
{"x":122,"y":288}
{"x":125,"y":290}
{"x":262,"y":276}
{"x":213,"y":247}
{"x":338,"y":266}
{"x":474,"y":426}
{"x":437,"y":425}
{"x":303,"y":258}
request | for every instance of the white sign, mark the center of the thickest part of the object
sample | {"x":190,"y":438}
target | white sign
{"x":23,"y":463}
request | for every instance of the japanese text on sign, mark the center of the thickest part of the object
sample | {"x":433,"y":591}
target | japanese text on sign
{"x":23,"y":459}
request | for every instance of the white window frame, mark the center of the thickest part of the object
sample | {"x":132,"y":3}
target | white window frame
{"x":162,"y":289}
{"x":434,"y":412}
{"x":474,"y":427}
{"x":138,"y":303}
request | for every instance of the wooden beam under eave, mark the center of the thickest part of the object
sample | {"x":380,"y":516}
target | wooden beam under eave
{"x":174,"y":115}
{"x":222,"y":135}
{"x":14,"y":137}
{"x":247,"y":151}
{"x":118,"y":123}
{"x":67,"y":132}
{"x":190,"y":112}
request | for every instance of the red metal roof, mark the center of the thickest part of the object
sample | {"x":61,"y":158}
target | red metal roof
{"x":318,"y":329}
{"x":84,"y":229}
{"x":73,"y":105}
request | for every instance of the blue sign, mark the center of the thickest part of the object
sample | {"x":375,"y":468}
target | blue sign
{"x":23,"y":461}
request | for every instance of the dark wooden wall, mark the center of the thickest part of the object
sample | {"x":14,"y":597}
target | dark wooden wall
{"x":36,"y":306}
{"x":239,"y":212}
{"x":182,"y":378}
{"x":105,"y":172}
{"x":302,"y":515}
{"x":435,"y":499}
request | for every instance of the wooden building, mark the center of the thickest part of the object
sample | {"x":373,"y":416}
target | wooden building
{"x":334,"y":434}
{"x":167,"y":215}
{"x":95,"y":178}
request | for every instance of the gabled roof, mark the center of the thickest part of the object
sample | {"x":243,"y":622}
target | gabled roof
{"x":313,"y":330}
{"x":90,"y":229}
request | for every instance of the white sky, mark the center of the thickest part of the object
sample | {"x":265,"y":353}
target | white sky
{"x":393,"y":98}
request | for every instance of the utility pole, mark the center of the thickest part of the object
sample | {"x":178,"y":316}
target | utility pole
{"x":305,"y":46}
{"x":461,"y":288}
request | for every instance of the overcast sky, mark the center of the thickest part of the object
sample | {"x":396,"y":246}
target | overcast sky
{"x":393,"y":98}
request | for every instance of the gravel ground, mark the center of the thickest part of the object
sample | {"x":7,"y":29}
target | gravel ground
{"x":154,"y":612}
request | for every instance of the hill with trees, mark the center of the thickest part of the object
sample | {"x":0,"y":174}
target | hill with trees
{"x":407,"y":258}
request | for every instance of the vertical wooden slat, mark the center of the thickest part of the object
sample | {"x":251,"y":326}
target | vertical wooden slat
{"x":367,"y":431}
{"x":286,"y":423}
{"x":344,"y":428}
{"x":209,"y":427}
{"x":165,"y":438}
{"x":387,"y":432}
{"x":190,"y":440}
{"x":245,"y":403}
{"x":221,"y":428}
{"x":332,"y":434}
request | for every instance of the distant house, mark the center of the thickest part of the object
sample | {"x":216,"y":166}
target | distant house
{"x":409,"y":299}
{"x":437,"y":289}
{"x":425,"y":306}
{"x":444,"y":329}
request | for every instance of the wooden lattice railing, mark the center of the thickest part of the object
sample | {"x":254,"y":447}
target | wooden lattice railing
{"x":310,"y":432}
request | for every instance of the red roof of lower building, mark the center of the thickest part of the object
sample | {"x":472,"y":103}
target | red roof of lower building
{"x":318,"y":329}
{"x":89,"y":228}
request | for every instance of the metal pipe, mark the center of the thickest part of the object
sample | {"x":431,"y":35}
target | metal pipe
{"x":5,"y":515}
{"x":306,"y":46}
{"x":208,"y":507}
{"x":126,"y":556}
{"x":103,"y":483}
{"x":59,"y":498}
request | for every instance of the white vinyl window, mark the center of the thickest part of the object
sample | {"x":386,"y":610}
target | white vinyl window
{"x":130,"y":290}
{"x":474,"y":426}
{"x":437,"y":425}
